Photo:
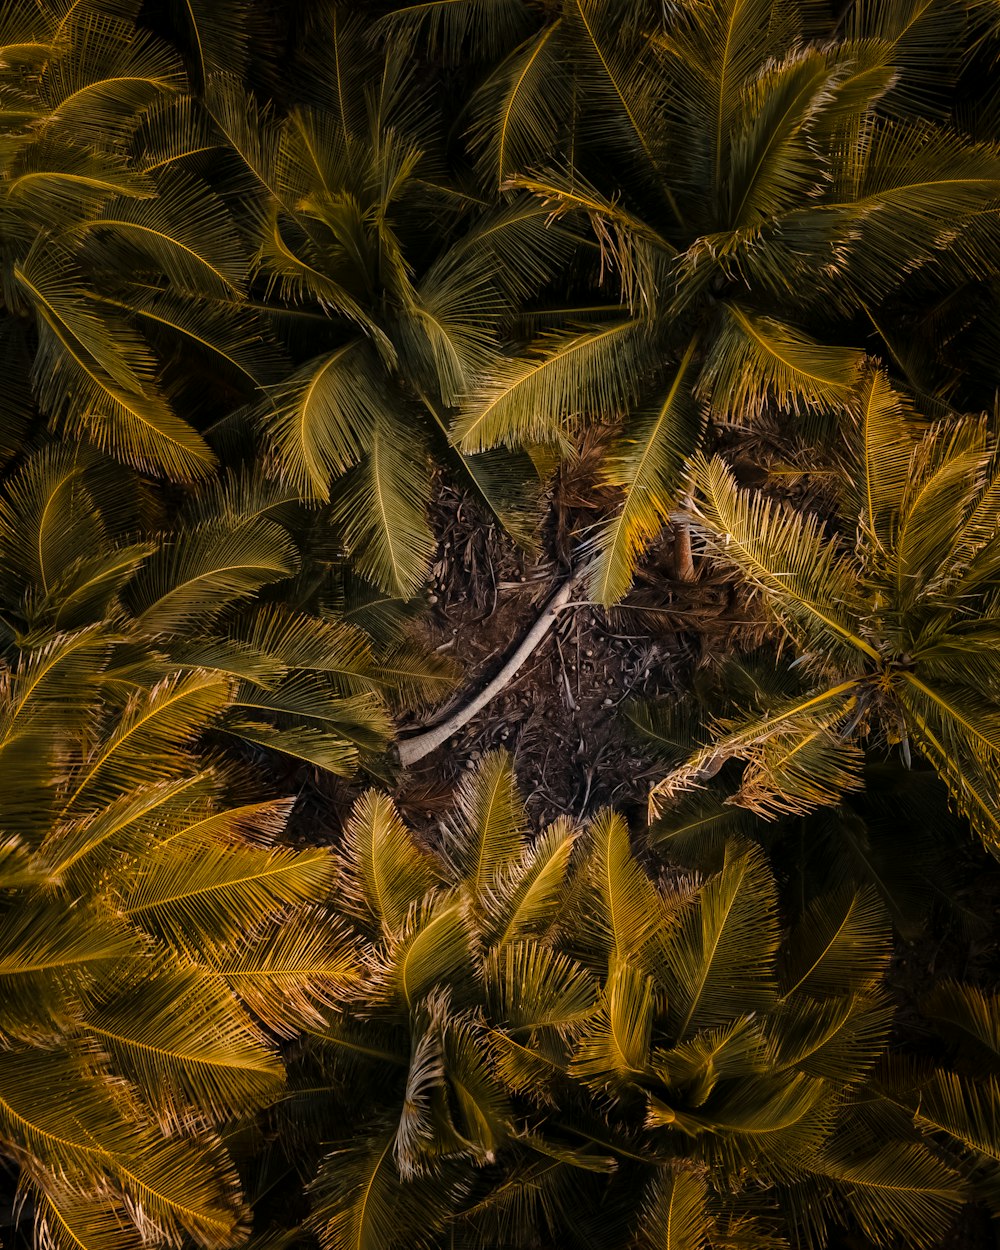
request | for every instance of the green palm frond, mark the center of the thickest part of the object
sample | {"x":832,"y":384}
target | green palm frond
{"x":756,"y":361}
{"x":523,"y":899}
{"x":321,"y":417}
{"x":382,"y":511}
{"x":215,"y":565}
{"x":566,"y":375}
{"x":183,"y":232}
{"x":808,"y":584}
{"x":521,"y":107}
{"x":721,"y":956}
{"x":968,"y":1015}
{"x":630,"y":916}
{"x":902,"y":1187}
{"x":647,"y":460}
{"x":107,"y":74}
{"x":432,"y":945}
{"x":361,"y":1203}
{"x":824,"y":956}
{"x":460,"y":27}
{"x":47,"y":966}
{"x":141,"y":746}
{"x":104,"y":364}
{"x":613,"y":1047}
{"x":217,"y":35}
{"x":190,"y":895}
{"x":878,"y":476}
{"x":675,"y":1213}
{"x":290,"y":980}
{"x":531,"y":986}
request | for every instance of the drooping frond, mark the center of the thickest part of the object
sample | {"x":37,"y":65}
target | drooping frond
{"x":96,"y":374}
{"x":322,"y":417}
{"x":565,"y":376}
{"x":647,"y":459}
{"x":521,"y":106}
{"x":756,"y":361}
{"x":382,"y":511}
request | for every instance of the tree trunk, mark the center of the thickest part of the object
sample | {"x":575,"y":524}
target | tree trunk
{"x":684,"y":569}
{"x":416,"y":747}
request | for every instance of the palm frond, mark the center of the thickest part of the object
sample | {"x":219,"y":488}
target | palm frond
{"x":968,"y":1015}
{"x":531,"y":986}
{"x":647,"y":459}
{"x":629,"y":914}
{"x":360,"y":1202}
{"x":809,"y":586}
{"x":824,"y":956}
{"x":613,"y":1048}
{"x":525,"y":897}
{"x":289,"y":980}
{"x":142,"y":747}
{"x":98,"y":376}
{"x":675,"y":1212}
{"x":184,"y":231}
{"x":182,"y":1038}
{"x":322,"y":417}
{"x":755,"y":361}
{"x":903,"y":1188}
{"x":386,"y":871}
{"x":489,"y":826}
{"x":880,"y":469}
{"x":199,"y":896}
{"x":520,"y":108}
{"x":47,"y":965}
{"x":382,"y":510}
{"x":721,"y":955}
{"x":564,"y":376}
{"x":206,"y":569}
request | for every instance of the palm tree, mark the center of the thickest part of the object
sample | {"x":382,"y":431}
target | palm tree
{"x":116,"y":256}
{"x":895,"y":624}
{"x":156,"y":939}
{"x":895,"y":834}
{"x":394,"y":290}
{"x":82,"y":547}
{"x":544,"y":1046}
{"x":761,"y":189}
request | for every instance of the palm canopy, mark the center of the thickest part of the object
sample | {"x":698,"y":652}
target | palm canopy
{"x":895,"y":623}
{"x":542,"y":1041}
{"x":370,"y":259}
{"x":760,"y":187}
{"x":155,"y":940}
{"x":84,"y":547}
{"x":117,"y":258}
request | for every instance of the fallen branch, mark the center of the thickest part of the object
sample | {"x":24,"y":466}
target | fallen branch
{"x":416,"y":747}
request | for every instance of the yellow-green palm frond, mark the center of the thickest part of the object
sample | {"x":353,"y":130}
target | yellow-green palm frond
{"x":647,"y":460}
